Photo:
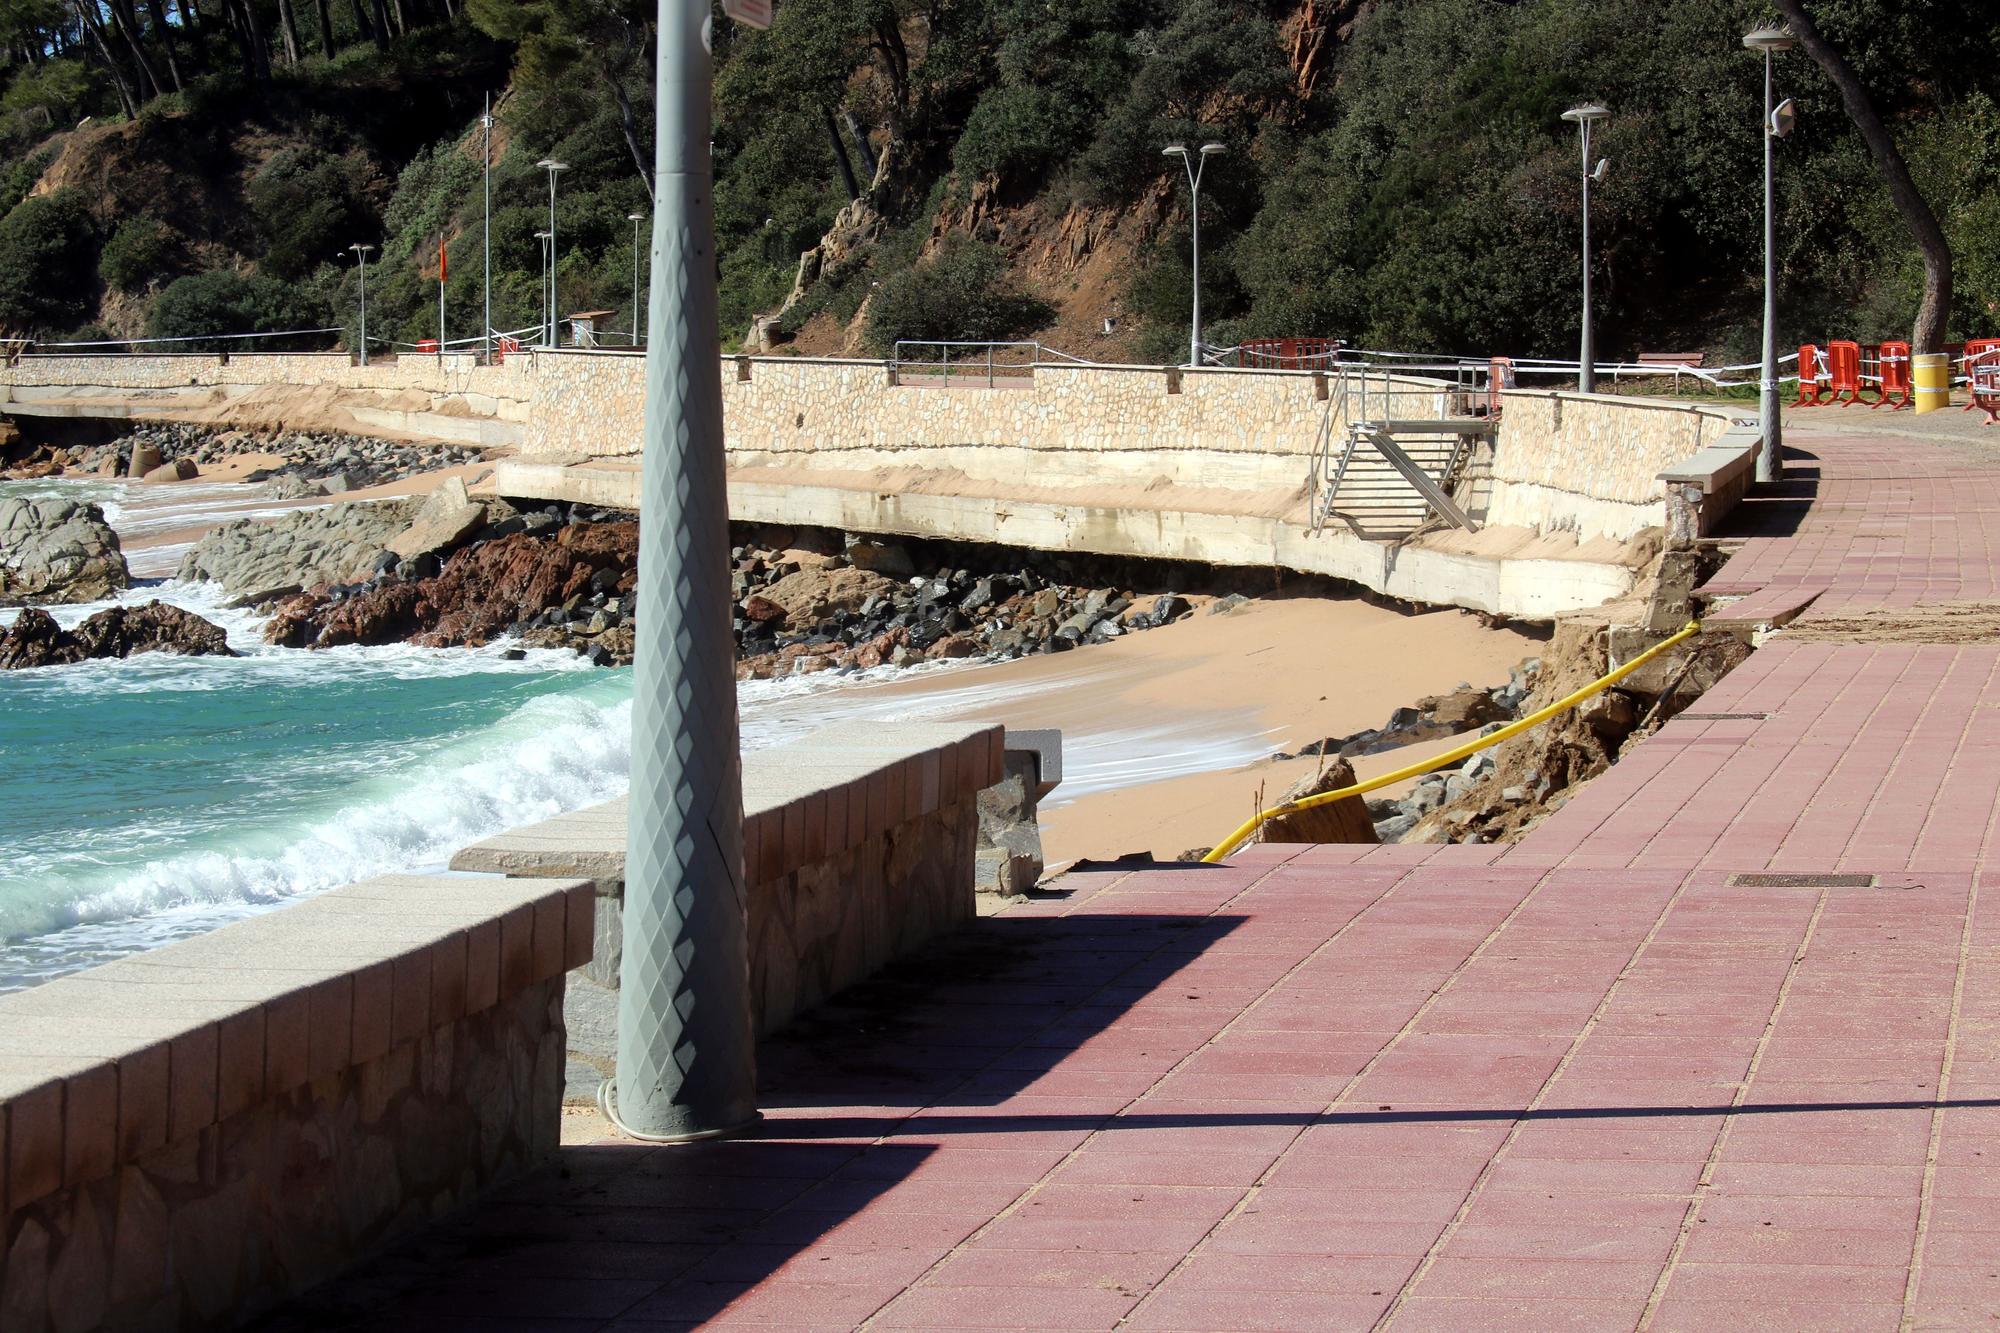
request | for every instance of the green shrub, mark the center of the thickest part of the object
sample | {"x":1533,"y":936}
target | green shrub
{"x":141,"y":251}
{"x":308,"y":205}
{"x":46,"y":269}
{"x":1017,"y":132}
{"x":959,"y":295}
{"x":225,"y":302}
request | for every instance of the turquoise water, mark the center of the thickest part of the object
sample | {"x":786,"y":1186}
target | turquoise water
{"x":146,"y":799}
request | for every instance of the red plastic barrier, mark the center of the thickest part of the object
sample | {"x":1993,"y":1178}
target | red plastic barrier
{"x":1843,"y":365}
{"x":1982,"y":366}
{"x":1812,"y":376}
{"x":1895,"y":387}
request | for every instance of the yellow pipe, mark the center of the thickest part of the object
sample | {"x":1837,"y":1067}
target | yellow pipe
{"x":1452,"y":756}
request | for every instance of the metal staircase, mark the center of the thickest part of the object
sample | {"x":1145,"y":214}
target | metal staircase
{"x":1387,"y":476}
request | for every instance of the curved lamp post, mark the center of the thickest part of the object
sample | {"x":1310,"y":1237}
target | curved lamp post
{"x":635,"y":219}
{"x":1777,"y":124}
{"x":361,"y":253}
{"x":1194,"y":164}
{"x":1584,"y":117}
{"x":554,"y":168}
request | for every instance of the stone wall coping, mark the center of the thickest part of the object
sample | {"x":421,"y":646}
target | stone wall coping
{"x":1717,"y":465}
{"x":1045,"y":743}
{"x":100,"y":1067}
{"x":803,"y":802}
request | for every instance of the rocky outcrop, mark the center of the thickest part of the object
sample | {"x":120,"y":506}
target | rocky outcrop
{"x":57,"y":551}
{"x":35,"y":640}
{"x":256,"y":561}
{"x":315,"y":462}
{"x":483,"y":591}
{"x":1345,"y":820}
{"x":445,"y":520}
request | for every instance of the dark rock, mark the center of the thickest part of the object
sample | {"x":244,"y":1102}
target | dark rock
{"x":121,"y":631}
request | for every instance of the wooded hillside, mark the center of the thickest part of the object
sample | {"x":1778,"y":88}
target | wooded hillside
{"x":1396,"y":170}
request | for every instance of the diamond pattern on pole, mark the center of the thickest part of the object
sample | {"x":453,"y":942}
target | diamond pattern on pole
{"x":685,"y":1052}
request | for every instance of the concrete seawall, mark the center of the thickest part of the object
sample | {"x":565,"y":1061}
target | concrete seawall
{"x":1209,"y":466}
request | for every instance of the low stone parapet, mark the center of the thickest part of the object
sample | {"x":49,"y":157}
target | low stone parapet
{"x":859,"y":845}
{"x":193,"y":1134}
{"x":1703,"y":488}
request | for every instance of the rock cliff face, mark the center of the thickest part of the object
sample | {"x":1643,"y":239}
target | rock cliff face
{"x":57,"y":551}
{"x":257,"y":561}
{"x":481,"y":592}
{"x":35,"y":640}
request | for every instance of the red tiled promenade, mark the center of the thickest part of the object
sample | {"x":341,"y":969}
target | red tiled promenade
{"x":1582,"y":1082}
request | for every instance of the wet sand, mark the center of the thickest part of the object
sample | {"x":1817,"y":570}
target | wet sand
{"x":1167,"y":733}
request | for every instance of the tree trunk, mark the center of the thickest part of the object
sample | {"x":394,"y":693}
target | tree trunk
{"x":1927,"y":336}
{"x":327,"y":41}
{"x":159,"y":12}
{"x":382,"y":29}
{"x":127,"y":19}
{"x":840,"y":155}
{"x":288,"y":26}
{"x":91,"y":20}
{"x":861,"y":144}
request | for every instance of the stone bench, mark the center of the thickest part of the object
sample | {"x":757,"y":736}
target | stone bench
{"x":190,"y":1135}
{"x":1705,"y":486}
{"x":859,"y":845}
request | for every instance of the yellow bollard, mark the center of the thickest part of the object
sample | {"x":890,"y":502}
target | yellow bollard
{"x":1931,"y":373}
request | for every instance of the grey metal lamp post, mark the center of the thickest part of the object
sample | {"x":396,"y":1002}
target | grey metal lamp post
{"x":361,"y":253}
{"x":1586,"y":116}
{"x":686,"y":1053}
{"x":635,"y":219}
{"x":554,"y":168}
{"x":1194,"y":164}
{"x":486,"y":231}
{"x":545,"y":238}
{"x":1777,"y":124}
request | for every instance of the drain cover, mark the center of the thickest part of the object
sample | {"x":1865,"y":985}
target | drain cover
{"x":1725,"y":717}
{"x":1769,"y":881}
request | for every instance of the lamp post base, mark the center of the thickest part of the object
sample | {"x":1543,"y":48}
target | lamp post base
{"x":607,"y":1102}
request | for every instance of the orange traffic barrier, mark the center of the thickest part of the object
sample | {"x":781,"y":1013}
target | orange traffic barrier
{"x":1843,"y":366}
{"x":1813,"y":378}
{"x":1893,"y":377}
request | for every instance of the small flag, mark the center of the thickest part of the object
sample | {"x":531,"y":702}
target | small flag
{"x":441,"y":259}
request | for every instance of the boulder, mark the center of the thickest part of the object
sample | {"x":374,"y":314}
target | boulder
{"x":57,"y":551}
{"x":884,"y":558}
{"x":181,"y":469}
{"x":443,"y":522}
{"x":35,"y":640}
{"x":1345,"y":820}
{"x":255,"y":560}
{"x":810,"y":595}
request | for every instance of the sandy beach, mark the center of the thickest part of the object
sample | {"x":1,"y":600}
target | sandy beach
{"x":1167,"y":733}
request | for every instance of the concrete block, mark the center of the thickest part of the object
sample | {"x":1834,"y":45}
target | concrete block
{"x":330,"y":1027}
{"x":374,"y":1003}
{"x":239,"y":1082}
{"x":287,"y":1042}
{"x":409,"y":996}
{"x":193,"y":1059}
{"x":550,"y":927}
{"x":90,"y":1125}
{"x":145,"y":1099}
{"x":448,"y":978}
{"x":579,"y":927}
{"x":482,"y":966}
{"x":517,"y":951}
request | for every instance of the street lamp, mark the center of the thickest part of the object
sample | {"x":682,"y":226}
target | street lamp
{"x":361,"y":253}
{"x":486,"y":244}
{"x":635,"y":219}
{"x":544,"y":238}
{"x":686,"y":1045}
{"x":1194,"y":164}
{"x":1777,"y":124}
{"x":554,"y":168}
{"x":1586,"y":116}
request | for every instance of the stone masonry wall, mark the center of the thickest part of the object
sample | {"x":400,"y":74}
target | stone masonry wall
{"x":211,"y":1230}
{"x":829,"y":924}
{"x":1591,"y":465}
